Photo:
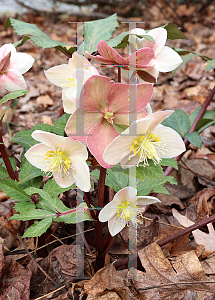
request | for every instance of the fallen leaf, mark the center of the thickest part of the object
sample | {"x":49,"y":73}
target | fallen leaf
{"x":45,"y":101}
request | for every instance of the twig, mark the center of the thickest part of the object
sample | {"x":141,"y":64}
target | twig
{"x":29,"y":254}
{"x":51,"y":293}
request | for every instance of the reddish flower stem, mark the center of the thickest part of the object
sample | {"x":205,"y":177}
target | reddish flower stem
{"x":6,"y":159}
{"x":87,"y":200}
{"x":119,"y":74}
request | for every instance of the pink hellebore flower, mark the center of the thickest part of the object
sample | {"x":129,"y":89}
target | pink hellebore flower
{"x":68,"y":76}
{"x":124,"y":207}
{"x":152,"y":141}
{"x":105,"y":103}
{"x":12,"y":65}
{"x":139,"y":59}
{"x":61,"y":156}
{"x":166,"y":59}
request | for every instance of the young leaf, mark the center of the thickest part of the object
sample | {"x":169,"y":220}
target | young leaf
{"x":28,"y":172}
{"x":13,"y":190}
{"x":209,"y":114}
{"x":38,"y":228}
{"x":178,"y":121}
{"x":173,"y":32}
{"x":13,"y":95}
{"x":117,"y":40}
{"x":95,"y":31}
{"x":32,"y":32}
{"x":169,"y":162}
{"x":203,"y":124}
{"x":194,"y":138}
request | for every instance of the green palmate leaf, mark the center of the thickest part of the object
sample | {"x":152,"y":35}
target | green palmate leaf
{"x":95,"y":31}
{"x":31,"y":214}
{"x":13,"y":95}
{"x":38,"y":228}
{"x":169,"y":162}
{"x":28,"y":172}
{"x":178,"y":121}
{"x":173,"y":32}
{"x":13,"y":190}
{"x":210,"y":65}
{"x":60,"y":124}
{"x":194,"y":138}
{"x":32,"y":32}
{"x":203,"y":124}
{"x":185,"y":59}
{"x":3,"y":173}
{"x":81,"y":214}
{"x":51,"y":186}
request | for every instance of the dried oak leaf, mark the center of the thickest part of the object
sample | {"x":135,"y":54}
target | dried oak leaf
{"x":185,"y":268}
{"x":201,"y":238}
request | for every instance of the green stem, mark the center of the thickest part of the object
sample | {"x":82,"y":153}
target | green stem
{"x":64,"y":51}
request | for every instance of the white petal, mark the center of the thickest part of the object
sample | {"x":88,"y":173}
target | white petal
{"x":59,"y":75}
{"x":115,"y":225}
{"x":50,"y":139}
{"x":107,"y":213}
{"x":64,"y":180}
{"x":127,"y":193}
{"x":36,"y":156}
{"x":146,"y":200}
{"x":160,"y":36}
{"x":171,"y":141}
{"x":14,"y":80}
{"x":167,"y":60}
{"x":5,"y":49}
{"x":22,"y":62}
{"x":81,"y":174}
{"x":68,"y":105}
{"x":71,"y":94}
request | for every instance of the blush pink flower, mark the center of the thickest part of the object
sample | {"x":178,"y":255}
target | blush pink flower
{"x":105,"y":103}
{"x":151,"y":141}
{"x":165,"y":59}
{"x":12,"y":65}
{"x":67,"y":76}
{"x":137,"y":60}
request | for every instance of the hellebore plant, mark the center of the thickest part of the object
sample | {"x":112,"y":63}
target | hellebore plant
{"x":152,"y":141}
{"x":106,"y":103}
{"x":124,"y":207}
{"x":12,"y":65}
{"x":67,"y":77}
{"x":62,"y":157}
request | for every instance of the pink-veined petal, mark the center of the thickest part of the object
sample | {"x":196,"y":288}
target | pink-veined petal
{"x":81,"y":175}
{"x":157,"y":117}
{"x":2,"y":81}
{"x":115,"y":225}
{"x":36,"y":156}
{"x":79,"y":61}
{"x":110,"y":53}
{"x":159,"y":35}
{"x":146,"y":200}
{"x":119,"y":148}
{"x":22,"y":62}
{"x":120,"y":95}
{"x":59,"y":75}
{"x":167,"y":60}
{"x":14,"y":80}
{"x":100,"y":59}
{"x":142,"y":114}
{"x":141,"y":58}
{"x":5,"y":49}
{"x":85,"y":122}
{"x":96,"y":92}
{"x":170,"y":140}
{"x":102,"y":134}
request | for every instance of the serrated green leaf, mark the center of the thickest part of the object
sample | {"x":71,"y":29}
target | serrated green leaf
{"x":161,"y":189}
{"x":210,"y":65}
{"x":13,"y":95}
{"x":28,"y":172}
{"x":169,"y":179}
{"x":117,"y":40}
{"x":51,"y":186}
{"x":35,"y":182}
{"x":60,"y":124}
{"x":23,"y":205}
{"x":76,"y":217}
{"x":38,"y":228}
{"x":178,"y":121}
{"x":13,"y":190}
{"x":169,"y":162}
{"x":202,"y":124}
{"x":194,"y":138}
{"x":3,"y":173}
{"x":31,"y":214}
{"x":98,"y":30}
{"x":12,"y":161}
{"x":153,"y":171}
{"x":185,"y":59}
{"x":173,"y":32}
{"x":32,"y":32}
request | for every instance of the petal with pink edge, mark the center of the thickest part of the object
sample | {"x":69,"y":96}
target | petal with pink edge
{"x":110,"y":53}
{"x":142,"y":58}
{"x":102,"y":134}
{"x":100,"y":59}
{"x":167,"y":60}
{"x":22,"y":62}
{"x":159,"y":35}
{"x":2,"y":81}
{"x":14,"y":81}
{"x":5,"y":49}
{"x":157,"y":117}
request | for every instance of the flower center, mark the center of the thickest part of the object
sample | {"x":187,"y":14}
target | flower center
{"x":71,"y":83}
{"x":148,"y":146}
{"x":127,"y":211}
{"x":58,"y":161}
{"x":109,"y":116}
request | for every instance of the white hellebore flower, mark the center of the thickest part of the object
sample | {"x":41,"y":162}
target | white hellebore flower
{"x":166,"y":59}
{"x":151,"y":141}
{"x":12,"y":65}
{"x":124,"y":207}
{"x":69,"y":77}
{"x":62,"y":156}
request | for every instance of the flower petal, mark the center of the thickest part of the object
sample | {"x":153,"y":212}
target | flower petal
{"x":128,"y":193}
{"x":110,"y":53}
{"x":36,"y":156}
{"x":22,"y":62}
{"x":59,"y":75}
{"x":160,"y":36}
{"x":134,"y":39}
{"x":5,"y":49}
{"x":146,"y":200}
{"x":171,"y":141}
{"x":68,"y":105}
{"x":2,"y":81}
{"x":115,"y":225}
{"x":79,"y":61}
{"x":64,"y":180}
{"x":99,"y":58}
{"x":157,"y":117}
{"x":81,"y":174}
{"x":14,"y":80}
{"x":167,"y":60}
{"x":51,"y":140}
{"x":107,"y":213}
{"x":102,"y":134}
{"x":141,"y":58}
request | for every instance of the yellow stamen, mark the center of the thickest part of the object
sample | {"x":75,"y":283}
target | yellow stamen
{"x":58,"y":161}
{"x":128,"y":210}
